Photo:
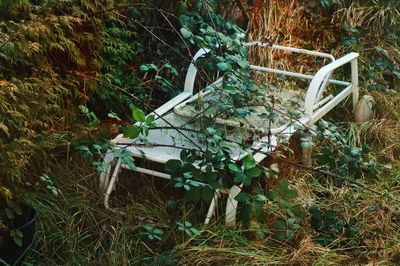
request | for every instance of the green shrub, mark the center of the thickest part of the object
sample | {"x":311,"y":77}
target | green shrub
{"x":42,"y":45}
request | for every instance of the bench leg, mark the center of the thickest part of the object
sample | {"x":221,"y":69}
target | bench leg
{"x":306,"y":156}
{"x":111,"y":185}
{"x":231,"y":206}
{"x":213,"y":205}
{"x":104,"y":177}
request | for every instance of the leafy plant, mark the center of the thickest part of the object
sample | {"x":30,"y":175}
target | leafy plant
{"x":90,"y":115}
{"x":187,"y":228}
{"x":186,"y":181}
{"x":151,"y":232}
{"x":119,"y":51}
{"x":144,"y":123}
{"x":286,"y":217}
{"x":49,"y":184}
{"x":167,"y":86}
{"x":340,"y":157}
{"x":12,"y":211}
{"x":17,"y":236}
{"x":329,"y":227}
{"x":247,"y":172}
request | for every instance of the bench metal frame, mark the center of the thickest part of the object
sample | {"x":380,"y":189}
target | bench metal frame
{"x":315,"y":107}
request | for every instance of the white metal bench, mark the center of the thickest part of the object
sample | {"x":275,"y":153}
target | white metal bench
{"x":315,"y":104}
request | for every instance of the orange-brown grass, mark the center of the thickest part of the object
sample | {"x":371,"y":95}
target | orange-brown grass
{"x":287,"y":22}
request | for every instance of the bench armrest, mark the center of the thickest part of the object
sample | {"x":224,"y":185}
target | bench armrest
{"x":317,"y":84}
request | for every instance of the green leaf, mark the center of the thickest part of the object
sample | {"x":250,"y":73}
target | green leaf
{"x":261,"y":197}
{"x":158,"y":231}
{"x":242,"y":196}
{"x":253,"y":172}
{"x":126,"y":158}
{"x":282,"y":187}
{"x":260,"y":234}
{"x":132,"y":132}
{"x":188,"y":232}
{"x":234,"y":168}
{"x":18,"y":241}
{"x":223,"y":66}
{"x":10,"y":213}
{"x":294,"y":226}
{"x":195,"y":231}
{"x":17,"y":235}
{"x":298,"y":212}
{"x":246,"y":213}
{"x":249,"y":162}
{"x":182,"y":7}
{"x":173,"y":69}
{"x":239,"y":178}
{"x":243,"y":64}
{"x":54,"y":191}
{"x":114,"y":116}
{"x":83,"y":109}
{"x":186,"y":33}
{"x":147,"y":67}
{"x":171,"y":204}
{"x":279,"y":224}
{"x":212,"y":180}
{"x":396,"y":73}
{"x":284,"y":203}
{"x":85,"y":149}
{"x":149,"y":120}
{"x":207,"y":193}
{"x":290,"y":194}
{"x":247,"y":180}
{"x":188,"y":224}
{"x":172,"y":165}
{"x":148,"y":227}
{"x":258,"y":210}
{"x":138,"y":115}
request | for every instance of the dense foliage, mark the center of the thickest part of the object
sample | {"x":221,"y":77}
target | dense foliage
{"x":42,"y":43}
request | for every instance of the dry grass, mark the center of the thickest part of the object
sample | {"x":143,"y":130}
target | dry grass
{"x":373,"y":16}
{"x":287,"y":22}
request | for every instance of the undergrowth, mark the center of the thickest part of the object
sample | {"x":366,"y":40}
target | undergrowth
{"x":74,"y":228}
